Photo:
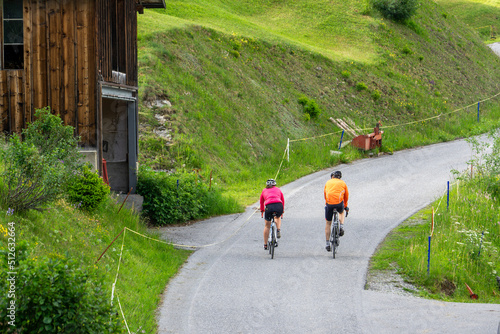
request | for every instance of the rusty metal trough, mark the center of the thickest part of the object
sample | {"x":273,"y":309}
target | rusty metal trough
{"x":369,"y":141}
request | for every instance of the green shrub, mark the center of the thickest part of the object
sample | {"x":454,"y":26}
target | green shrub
{"x":234,"y":53}
{"x":346,"y":74}
{"x":396,"y":10}
{"x":310,"y":107}
{"x":376,"y":95}
{"x":87,"y":190}
{"x":406,"y":50}
{"x":174,"y":198}
{"x":37,"y":169}
{"x":55,"y":295}
{"x":361,"y":86}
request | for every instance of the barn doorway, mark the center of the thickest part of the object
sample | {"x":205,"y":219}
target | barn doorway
{"x":119,"y":142}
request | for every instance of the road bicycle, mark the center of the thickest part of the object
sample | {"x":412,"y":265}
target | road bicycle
{"x":335,"y":233}
{"x":271,"y":241}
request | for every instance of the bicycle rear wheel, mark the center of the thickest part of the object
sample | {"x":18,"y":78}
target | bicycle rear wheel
{"x":334,"y":240}
{"x":273,"y":241}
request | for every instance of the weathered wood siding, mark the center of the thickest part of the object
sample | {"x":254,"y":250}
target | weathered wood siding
{"x":118,"y":52}
{"x":69,"y":46}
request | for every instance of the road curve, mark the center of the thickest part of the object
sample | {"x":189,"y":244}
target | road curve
{"x":234,"y":286}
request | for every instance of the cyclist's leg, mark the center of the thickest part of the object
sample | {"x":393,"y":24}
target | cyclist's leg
{"x":267,"y":227}
{"x":328,"y":219}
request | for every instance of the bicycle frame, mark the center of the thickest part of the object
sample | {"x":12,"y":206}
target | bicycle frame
{"x":271,"y":241}
{"x":335,"y":233}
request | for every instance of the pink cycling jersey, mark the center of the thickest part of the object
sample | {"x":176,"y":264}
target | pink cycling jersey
{"x":271,"y":195}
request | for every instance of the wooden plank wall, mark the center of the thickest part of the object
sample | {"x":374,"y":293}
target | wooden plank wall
{"x":60,"y":68}
{"x":125,"y":18}
{"x":68,"y":49}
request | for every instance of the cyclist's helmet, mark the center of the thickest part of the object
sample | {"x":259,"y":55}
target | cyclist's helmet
{"x":337,"y":174}
{"x":270,"y":183}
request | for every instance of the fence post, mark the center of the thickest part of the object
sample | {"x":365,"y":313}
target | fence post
{"x":481,"y":244}
{"x":429,"y":257}
{"x":341,"y":137}
{"x":288,"y":150}
{"x":478,"y":111}
{"x":448,"y":197}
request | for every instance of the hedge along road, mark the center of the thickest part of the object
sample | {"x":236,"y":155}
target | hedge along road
{"x":235,"y":287}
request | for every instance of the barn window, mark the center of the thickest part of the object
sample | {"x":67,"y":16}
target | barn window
{"x":118,"y":47}
{"x":12,"y":34}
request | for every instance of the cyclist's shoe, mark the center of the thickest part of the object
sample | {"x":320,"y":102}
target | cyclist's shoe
{"x":265,"y":246}
{"x":328,"y":248}
{"x":341,"y":233}
{"x":276,"y":244}
{"x":278,"y":234}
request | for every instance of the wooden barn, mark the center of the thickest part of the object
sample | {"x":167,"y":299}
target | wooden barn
{"x":79,"y":57}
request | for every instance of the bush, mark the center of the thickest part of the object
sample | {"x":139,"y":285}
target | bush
{"x":55,"y":295}
{"x":87,"y":190}
{"x":346,"y":74}
{"x":396,"y":10}
{"x":376,"y":95}
{"x":310,"y":107}
{"x":37,"y":169}
{"x":361,"y":86}
{"x":174,"y":198}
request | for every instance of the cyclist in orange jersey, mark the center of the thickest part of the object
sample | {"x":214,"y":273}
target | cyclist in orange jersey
{"x":336,"y":197}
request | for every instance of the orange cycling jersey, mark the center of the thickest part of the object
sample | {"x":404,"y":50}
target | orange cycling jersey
{"x":336,"y":192}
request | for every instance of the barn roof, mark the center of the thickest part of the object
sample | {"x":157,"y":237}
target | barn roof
{"x":152,"y":3}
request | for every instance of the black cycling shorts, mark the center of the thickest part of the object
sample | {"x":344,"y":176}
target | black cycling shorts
{"x":329,"y":210}
{"x":273,"y":207}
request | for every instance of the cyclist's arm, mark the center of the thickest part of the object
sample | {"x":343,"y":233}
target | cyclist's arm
{"x":346,"y":196}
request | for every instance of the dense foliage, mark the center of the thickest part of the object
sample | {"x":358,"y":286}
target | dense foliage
{"x":37,"y":168}
{"x":87,"y":190}
{"x":55,"y":295}
{"x":396,"y":10}
{"x":174,"y":198}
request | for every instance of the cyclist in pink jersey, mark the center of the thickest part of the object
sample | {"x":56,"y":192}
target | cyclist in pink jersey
{"x":271,"y":200}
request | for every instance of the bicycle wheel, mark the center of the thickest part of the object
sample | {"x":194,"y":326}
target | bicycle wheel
{"x":273,"y":241}
{"x":334,"y":239}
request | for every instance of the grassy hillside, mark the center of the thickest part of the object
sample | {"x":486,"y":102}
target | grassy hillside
{"x":480,"y":15}
{"x":337,"y":29}
{"x":234,"y":78}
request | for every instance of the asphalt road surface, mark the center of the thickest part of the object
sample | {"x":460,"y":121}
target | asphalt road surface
{"x":233,"y":286}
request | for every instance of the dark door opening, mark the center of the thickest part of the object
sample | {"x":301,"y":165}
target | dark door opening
{"x":115,"y":142}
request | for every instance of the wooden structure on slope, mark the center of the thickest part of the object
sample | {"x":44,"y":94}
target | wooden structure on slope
{"x":79,"y":57}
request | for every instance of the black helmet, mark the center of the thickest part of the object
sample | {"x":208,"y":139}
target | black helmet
{"x":337,"y":174}
{"x":270,"y":183}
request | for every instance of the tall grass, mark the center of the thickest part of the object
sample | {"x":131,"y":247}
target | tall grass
{"x":465,"y":245}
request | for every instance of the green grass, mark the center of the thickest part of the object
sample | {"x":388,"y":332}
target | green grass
{"x":235,"y":92}
{"x":465,"y":247}
{"x":146,"y":265}
{"x":234,"y":73}
{"x":480,"y":15}
{"x":308,"y":24}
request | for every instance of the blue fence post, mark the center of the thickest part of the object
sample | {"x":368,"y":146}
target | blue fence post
{"x":448,"y":197}
{"x":478,"y":111}
{"x":481,"y":244}
{"x":341,"y":137}
{"x":177,"y":191}
{"x":429,"y":257}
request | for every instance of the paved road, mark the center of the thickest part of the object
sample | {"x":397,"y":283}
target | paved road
{"x":234,"y":286}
